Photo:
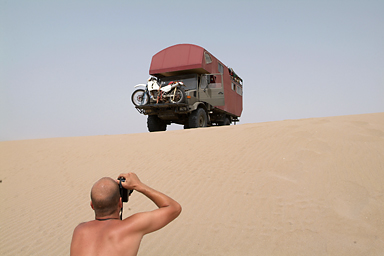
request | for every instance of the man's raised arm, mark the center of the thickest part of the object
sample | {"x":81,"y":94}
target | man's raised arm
{"x":147,"y":222}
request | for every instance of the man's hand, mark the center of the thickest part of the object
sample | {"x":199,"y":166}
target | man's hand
{"x":132,"y":182}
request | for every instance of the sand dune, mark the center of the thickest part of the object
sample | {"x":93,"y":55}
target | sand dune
{"x":295,"y":187}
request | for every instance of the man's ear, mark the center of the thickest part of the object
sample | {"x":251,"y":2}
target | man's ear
{"x":120,"y":203}
{"x":92,"y":206}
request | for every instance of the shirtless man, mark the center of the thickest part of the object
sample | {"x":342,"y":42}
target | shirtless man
{"x":107,"y":234}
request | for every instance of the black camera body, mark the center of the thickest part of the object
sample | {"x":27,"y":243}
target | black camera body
{"x":124,"y":193}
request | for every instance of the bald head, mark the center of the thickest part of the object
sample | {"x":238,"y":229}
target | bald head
{"x":105,"y":196}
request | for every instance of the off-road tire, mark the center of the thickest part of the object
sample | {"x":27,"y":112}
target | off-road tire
{"x":198,"y":118}
{"x":155,"y":124}
{"x":225,"y":122}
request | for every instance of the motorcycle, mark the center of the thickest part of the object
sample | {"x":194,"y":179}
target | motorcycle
{"x":160,"y":93}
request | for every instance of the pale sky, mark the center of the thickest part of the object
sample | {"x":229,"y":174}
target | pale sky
{"x":68,"y":68}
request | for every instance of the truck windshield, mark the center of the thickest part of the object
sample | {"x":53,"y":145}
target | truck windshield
{"x":190,"y":81}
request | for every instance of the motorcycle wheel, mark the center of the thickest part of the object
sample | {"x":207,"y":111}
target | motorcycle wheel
{"x":178,"y":96}
{"x":140,"y":97}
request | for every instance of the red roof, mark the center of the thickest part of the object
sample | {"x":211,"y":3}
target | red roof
{"x":176,"y":58}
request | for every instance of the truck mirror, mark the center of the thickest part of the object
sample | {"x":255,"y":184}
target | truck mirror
{"x":208,"y":81}
{"x":204,"y":82}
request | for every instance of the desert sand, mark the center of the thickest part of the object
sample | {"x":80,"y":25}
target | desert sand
{"x":295,"y":187}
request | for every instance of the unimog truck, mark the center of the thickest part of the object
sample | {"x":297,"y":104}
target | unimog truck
{"x":212,"y":94}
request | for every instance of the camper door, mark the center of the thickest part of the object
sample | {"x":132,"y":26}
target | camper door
{"x":211,"y":89}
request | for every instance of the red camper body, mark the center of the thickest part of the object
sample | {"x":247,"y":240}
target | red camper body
{"x":192,"y":59}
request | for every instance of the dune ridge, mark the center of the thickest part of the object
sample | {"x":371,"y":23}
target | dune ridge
{"x":295,"y":187}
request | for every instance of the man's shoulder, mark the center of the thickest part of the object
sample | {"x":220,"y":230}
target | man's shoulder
{"x":83,"y":226}
{"x":86,"y":223}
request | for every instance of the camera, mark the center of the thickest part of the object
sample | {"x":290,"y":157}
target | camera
{"x":124,"y":193}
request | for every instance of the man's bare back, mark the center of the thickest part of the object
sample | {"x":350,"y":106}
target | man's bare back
{"x":107,"y":234}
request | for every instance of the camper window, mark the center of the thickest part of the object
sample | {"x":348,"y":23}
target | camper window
{"x":239,"y":90}
{"x":220,"y":68}
{"x":208,"y":58}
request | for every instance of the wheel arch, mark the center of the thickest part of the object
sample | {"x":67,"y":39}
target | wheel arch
{"x":200,"y":104}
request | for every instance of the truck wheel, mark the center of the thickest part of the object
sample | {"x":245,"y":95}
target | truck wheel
{"x":139,"y":97}
{"x":179,"y":96}
{"x":225,"y":122}
{"x":155,"y":124}
{"x":198,"y":118}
